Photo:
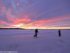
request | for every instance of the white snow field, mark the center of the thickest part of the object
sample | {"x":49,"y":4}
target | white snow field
{"x":23,"y":41}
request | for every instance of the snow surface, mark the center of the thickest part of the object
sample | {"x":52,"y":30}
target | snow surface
{"x":23,"y":41}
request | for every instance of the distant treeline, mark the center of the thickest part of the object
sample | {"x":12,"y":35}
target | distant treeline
{"x":11,"y":28}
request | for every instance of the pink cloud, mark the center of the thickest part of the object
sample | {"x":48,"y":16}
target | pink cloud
{"x":46,"y":22}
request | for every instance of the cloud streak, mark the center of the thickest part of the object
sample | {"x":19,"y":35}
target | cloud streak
{"x":34,"y":13}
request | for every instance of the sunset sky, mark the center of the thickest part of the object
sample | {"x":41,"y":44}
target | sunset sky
{"x":30,"y":14}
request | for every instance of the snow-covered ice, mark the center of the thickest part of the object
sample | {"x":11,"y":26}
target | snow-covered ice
{"x":22,"y":41}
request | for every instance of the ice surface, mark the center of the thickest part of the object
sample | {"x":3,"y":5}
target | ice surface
{"x":23,"y":41}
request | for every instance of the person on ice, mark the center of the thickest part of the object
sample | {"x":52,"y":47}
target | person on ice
{"x":36,"y":33}
{"x":59,"y":32}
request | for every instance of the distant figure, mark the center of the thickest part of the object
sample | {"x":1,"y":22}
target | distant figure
{"x":59,"y":32}
{"x":36,"y":33}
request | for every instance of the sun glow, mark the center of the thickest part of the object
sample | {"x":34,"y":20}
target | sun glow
{"x":44,"y":27}
{"x":18,"y":25}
